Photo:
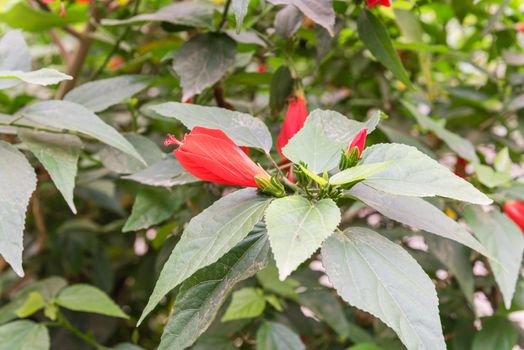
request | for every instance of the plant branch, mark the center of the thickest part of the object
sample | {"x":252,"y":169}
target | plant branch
{"x":116,"y":46}
{"x":224,"y":15}
{"x":62,"y":321}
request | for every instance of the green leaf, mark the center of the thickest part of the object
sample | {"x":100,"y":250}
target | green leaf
{"x":490,"y":178}
{"x":202,"y":61}
{"x":326,"y":307}
{"x":497,"y":333}
{"x":376,"y":38}
{"x":503,"y":161}
{"x":201,"y":295}
{"x":18,"y":181}
{"x":67,"y":115}
{"x":320,"y":11}
{"x":24,"y":335}
{"x":23,"y":16}
{"x":123,"y":163}
{"x":318,"y":179}
{"x":375,"y":275}
{"x":151,"y":207}
{"x":268,"y":278}
{"x":358,"y":173}
{"x":86,"y":298}
{"x":34,"y":302}
{"x":280,"y":89}
{"x":297,"y":227}
{"x":208,"y":237}
{"x":460,"y":145}
{"x":504,"y":241}
{"x":415,"y":174}
{"x":242,"y":128}
{"x":59,"y":155}
{"x":166,"y":173}
{"x":287,"y":21}
{"x":245,"y":303}
{"x":416,"y":213}
{"x":101,"y":94}
{"x":456,"y":258}
{"x":44,"y":76}
{"x":185,"y":13}
{"x":239,"y":8}
{"x":48,"y":288}
{"x":341,"y":129}
{"x":15,"y":56}
{"x":312,"y":146}
{"x":276,"y":336}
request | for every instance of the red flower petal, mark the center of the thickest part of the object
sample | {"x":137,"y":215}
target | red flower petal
{"x":359,"y":141}
{"x":294,"y":121}
{"x":373,"y":3}
{"x":515,"y":210}
{"x":211,"y":155}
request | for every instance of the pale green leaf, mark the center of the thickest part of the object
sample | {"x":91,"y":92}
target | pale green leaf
{"x":14,"y":55}
{"x":86,"y":298}
{"x":245,"y":303}
{"x":416,"y":213}
{"x":312,"y":146}
{"x":101,"y":94}
{"x":24,"y":335}
{"x":463,"y":147}
{"x":504,"y":241}
{"x":375,"y":275}
{"x":358,"y":173}
{"x":34,"y":302}
{"x":341,"y":129}
{"x":122,"y":163}
{"x":67,"y":115}
{"x":151,"y":207}
{"x":242,"y":128}
{"x":490,"y":178}
{"x":320,"y":11}
{"x":503,"y":161}
{"x":268,"y":278}
{"x":201,"y":295}
{"x":297,"y":227}
{"x":239,"y":8}
{"x":166,"y":173}
{"x":44,"y":76}
{"x":59,"y":155}
{"x":18,"y":181}
{"x":412,"y":173}
{"x":207,"y":238}
{"x":276,"y":336}
{"x":23,"y":16}
{"x":375,"y":36}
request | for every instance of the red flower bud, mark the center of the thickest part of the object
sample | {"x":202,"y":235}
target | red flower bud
{"x":359,"y":141}
{"x":520,"y":27}
{"x":373,"y":3}
{"x":515,"y":211}
{"x":294,"y":121}
{"x":212,"y":156}
{"x":460,"y":167}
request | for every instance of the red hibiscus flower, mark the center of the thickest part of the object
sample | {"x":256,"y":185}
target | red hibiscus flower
{"x":373,"y":3}
{"x":294,"y":121}
{"x":359,"y":141}
{"x":515,"y":211}
{"x":212,"y":156}
{"x":351,"y":156}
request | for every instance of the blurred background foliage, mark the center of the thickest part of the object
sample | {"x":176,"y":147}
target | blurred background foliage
{"x":460,"y":100}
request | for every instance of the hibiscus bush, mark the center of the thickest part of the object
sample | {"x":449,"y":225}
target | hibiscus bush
{"x":261,"y":174}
